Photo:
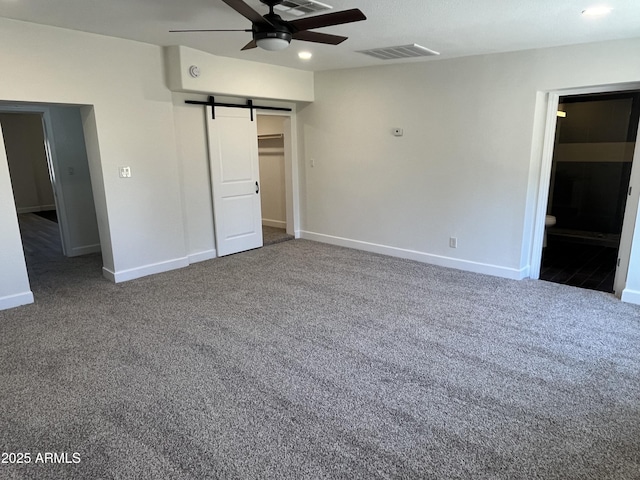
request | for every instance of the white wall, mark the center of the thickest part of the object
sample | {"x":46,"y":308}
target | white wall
{"x":73,"y":178}
{"x":270,"y":86}
{"x":127,"y":115}
{"x":193,"y":158}
{"x":24,"y":144}
{"x":631,"y":293}
{"x":467,"y":166}
{"x":234,"y":77}
{"x":231,"y":81}
{"x":14,"y":283}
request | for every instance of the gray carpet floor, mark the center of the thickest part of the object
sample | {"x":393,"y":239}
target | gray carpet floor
{"x":307,"y":361}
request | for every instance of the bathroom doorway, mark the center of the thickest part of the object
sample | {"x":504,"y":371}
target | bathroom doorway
{"x":590,"y":174}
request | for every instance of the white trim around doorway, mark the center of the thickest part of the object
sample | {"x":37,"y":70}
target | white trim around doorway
{"x":49,"y":147}
{"x":544,"y":178}
{"x":291,"y":168}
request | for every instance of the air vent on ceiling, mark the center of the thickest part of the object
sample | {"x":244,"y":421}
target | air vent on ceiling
{"x":301,"y":7}
{"x":402,"y":51}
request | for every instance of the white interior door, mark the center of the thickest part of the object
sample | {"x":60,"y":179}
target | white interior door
{"x":628,"y":225}
{"x":235,"y":180}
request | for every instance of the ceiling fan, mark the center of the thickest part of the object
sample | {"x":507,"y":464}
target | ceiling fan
{"x":271,"y":32}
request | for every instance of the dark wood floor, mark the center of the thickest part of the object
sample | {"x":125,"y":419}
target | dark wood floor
{"x":578,"y":264}
{"x":40,"y":238}
{"x":49,"y":215}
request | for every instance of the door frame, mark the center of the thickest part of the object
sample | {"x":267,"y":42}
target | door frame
{"x":628,"y":224}
{"x":291,"y":169}
{"x":52,"y":164}
{"x":291,"y":184}
{"x":553,"y":100}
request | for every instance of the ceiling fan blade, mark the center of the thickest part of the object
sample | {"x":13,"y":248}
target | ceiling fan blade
{"x":206,"y":30}
{"x":328,"y":19}
{"x":246,"y":11}
{"x":318,"y":37}
{"x":250,"y":45}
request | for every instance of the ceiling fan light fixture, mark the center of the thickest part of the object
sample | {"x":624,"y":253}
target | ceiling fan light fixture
{"x":272,"y":41}
{"x":272,"y":44}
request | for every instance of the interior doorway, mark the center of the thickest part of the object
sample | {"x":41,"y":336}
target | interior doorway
{"x":272,"y":155}
{"x":49,"y":172}
{"x":591,"y":168}
{"x":31,"y":180}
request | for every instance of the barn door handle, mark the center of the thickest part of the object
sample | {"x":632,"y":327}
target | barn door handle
{"x":257,"y":187}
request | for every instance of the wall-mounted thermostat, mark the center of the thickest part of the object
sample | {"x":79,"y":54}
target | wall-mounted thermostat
{"x":398,"y":132}
{"x":194,"y":71}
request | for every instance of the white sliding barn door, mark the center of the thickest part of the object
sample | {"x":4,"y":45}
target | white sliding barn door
{"x":233,"y":155}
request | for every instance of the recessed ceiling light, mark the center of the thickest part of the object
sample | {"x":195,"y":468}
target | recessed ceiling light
{"x":304,"y":55}
{"x":596,"y":11}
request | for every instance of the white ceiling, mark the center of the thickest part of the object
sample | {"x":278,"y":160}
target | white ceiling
{"x":453,"y":27}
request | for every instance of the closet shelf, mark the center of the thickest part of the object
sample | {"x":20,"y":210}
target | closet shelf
{"x":270,"y":136}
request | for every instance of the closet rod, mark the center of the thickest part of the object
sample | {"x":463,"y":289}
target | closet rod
{"x":270,"y":136}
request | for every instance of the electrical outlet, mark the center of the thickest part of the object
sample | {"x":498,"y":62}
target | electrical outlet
{"x":125,"y":172}
{"x":453,"y":242}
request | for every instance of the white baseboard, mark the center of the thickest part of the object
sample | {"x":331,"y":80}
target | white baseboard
{"x":631,"y":296}
{"x":85,"y":250}
{"x":202,"y":256}
{"x":273,"y":223}
{"x":16,"y":300}
{"x":22,"y":210}
{"x":133,"y":273}
{"x":37,"y":208}
{"x":487,"y":269}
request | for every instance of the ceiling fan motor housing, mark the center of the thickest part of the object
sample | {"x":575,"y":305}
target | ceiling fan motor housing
{"x":271,"y":34}
{"x":271,"y":3}
{"x":277,"y":29}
